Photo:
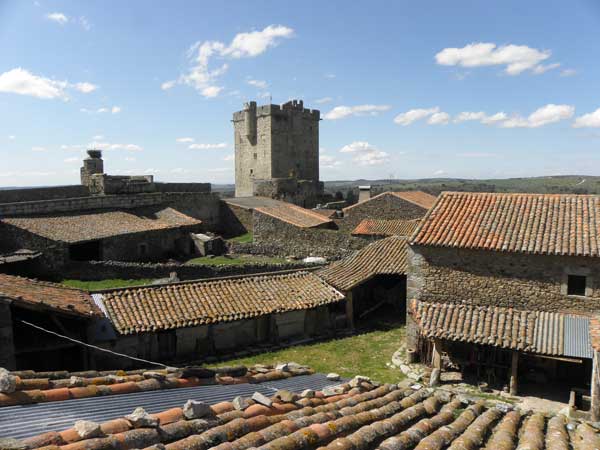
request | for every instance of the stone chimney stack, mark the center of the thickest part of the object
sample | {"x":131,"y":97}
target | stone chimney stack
{"x":93,"y":164}
{"x":364,"y":193}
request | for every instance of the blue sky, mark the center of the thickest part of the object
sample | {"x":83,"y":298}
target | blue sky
{"x":410,"y":89}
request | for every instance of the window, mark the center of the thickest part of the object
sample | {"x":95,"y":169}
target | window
{"x":255,"y":156}
{"x":576,"y":285}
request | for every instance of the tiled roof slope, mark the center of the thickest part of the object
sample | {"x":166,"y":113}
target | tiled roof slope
{"x":381,"y":227}
{"x":527,"y":223}
{"x":295,"y":215}
{"x":529,"y":331}
{"x":46,"y":295}
{"x":203,"y":302}
{"x":384,"y":257}
{"x":388,"y":417}
{"x":81,"y":227}
{"x":419,"y":198}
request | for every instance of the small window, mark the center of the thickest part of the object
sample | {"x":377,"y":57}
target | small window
{"x":255,"y":156}
{"x":251,"y":171}
{"x":576,"y":285}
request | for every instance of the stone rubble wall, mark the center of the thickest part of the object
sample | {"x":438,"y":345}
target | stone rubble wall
{"x":38,"y":194}
{"x":508,"y":280}
{"x":102,"y":270}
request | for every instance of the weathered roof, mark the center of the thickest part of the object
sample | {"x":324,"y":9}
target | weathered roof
{"x":81,"y":227}
{"x":195,"y":303}
{"x":381,"y":227}
{"x":419,"y":198}
{"x":329,"y":213}
{"x":42,"y":294}
{"x":295,"y":215}
{"x":384,"y":257}
{"x":529,"y":331}
{"x":18,"y":256}
{"x":388,"y":417}
{"x":252,"y":202}
{"x":550,"y":224}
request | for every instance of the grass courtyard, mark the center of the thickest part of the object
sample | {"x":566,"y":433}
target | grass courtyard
{"x":105,"y":284}
{"x":235,"y":260}
{"x":363,"y":354}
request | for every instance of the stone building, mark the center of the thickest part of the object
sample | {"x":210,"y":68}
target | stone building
{"x":195,"y":319}
{"x":277,"y":152}
{"x":373,"y":229}
{"x":373,"y":280}
{"x":506,"y":285}
{"x":51,"y":306}
{"x":402,"y":205}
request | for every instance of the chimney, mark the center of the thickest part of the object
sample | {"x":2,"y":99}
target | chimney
{"x":364,"y":193}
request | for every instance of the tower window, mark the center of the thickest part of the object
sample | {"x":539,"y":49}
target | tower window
{"x":251,"y":171}
{"x":576,"y":285}
{"x":255,"y":156}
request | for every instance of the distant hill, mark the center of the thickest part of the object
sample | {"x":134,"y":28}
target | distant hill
{"x":563,"y":184}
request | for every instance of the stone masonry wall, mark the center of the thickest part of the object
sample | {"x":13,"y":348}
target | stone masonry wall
{"x":47,"y":193}
{"x":102,"y":270}
{"x":284,"y":239}
{"x":386,"y":207}
{"x":488,"y":278}
{"x":7,"y":355}
{"x":235,"y":220}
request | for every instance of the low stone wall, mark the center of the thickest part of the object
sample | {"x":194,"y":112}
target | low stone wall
{"x":103,"y":270}
{"x":275,"y":237}
{"x":38,"y":194}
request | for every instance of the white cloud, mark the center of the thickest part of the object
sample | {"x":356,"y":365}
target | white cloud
{"x":260,"y":84}
{"x":72,"y":160}
{"x":331,"y":76}
{"x":364,"y":154}
{"x":328,"y":162}
{"x":12,"y":137}
{"x":73,"y":147}
{"x":57,"y":17}
{"x":22,"y":82}
{"x":204,"y":79}
{"x":85,"y":87}
{"x":130,"y":159}
{"x":540,"y":69}
{"x":38,"y":149}
{"x":543,"y":116}
{"x":516,"y":58}
{"x":184,"y":140}
{"x":590,"y":120}
{"x":229,"y":158}
{"x":413,"y":115}
{"x":439,"y":172}
{"x":102,"y":110}
{"x":110,"y":146}
{"x":480,"y":116}
{"x":208,"y":146}
{"x":98,"y":137}
{"x":85,"y":23}
{"x":341,"y":112}
{"x":439,"y":118}
{"x":323,"y":100}
{"x":568,"y":72}
{"x":476,"y":155}
{"x":168,"y":85}
{"x":115,"y":110}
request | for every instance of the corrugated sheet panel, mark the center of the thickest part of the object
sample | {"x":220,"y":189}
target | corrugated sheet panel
{"x":577,"y":337}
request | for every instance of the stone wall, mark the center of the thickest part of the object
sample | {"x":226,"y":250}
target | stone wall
{"x":281,"y":238}
{"x":102,"y":270}
{"x":7,"y":352}
{"x":38,"y":194}
{"x":235,"y":220}
{"x":203,"y":206}
{"x":508,"y":280}
{"x":221,"y":339}
{"x":386,"y":207}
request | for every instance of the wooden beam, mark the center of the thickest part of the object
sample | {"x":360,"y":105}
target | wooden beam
{"x":350,"y":309}
{"x":436,"y":362}
{"x":595,"y":388}
{"x":514,"y":369}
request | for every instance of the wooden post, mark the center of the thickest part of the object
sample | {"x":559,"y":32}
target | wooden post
{"x":350,"y":310}
{"x":436,"y":362}
{"x":595,"y":388}
{"x":514,"y":368}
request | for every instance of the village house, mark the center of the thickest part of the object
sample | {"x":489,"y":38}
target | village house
{"x":505,"y":286}
{"x":373,"y":280}
{"x":373,"y":229}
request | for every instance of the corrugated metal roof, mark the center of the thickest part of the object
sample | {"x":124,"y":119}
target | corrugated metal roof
{"x":19,"y":422}
{"x":577,"y":337}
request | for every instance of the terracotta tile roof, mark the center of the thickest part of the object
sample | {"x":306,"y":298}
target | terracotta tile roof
{"x":384,"y":257}
{"x":295,"y":215}
{"x":81,"y":227}
{"x":329,"y":213}
{"x":529,"y":331}
{"x":527,"y":223}
{"x":44,"y":387}
{"x":386,"y":418}
{"x":195,"y":303}
{"x":381,"y":227}
{"x":419,"y":198}
{"x":46,"y":295}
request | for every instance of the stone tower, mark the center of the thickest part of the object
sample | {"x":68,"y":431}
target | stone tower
{"x":277,"y":152}
{"x":93,"y":164}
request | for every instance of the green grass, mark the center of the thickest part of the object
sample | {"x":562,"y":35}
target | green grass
{"x":364,"y":354}
{"x":235,"y":260}
{"x":243,"y":238}
{"x":105,"y":284}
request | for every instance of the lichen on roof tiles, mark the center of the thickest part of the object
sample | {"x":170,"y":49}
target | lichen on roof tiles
{"x":550,"y":224}
{"x":381,"y":227}
{"x":419,"y":198}
{"x":295,"y":215}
